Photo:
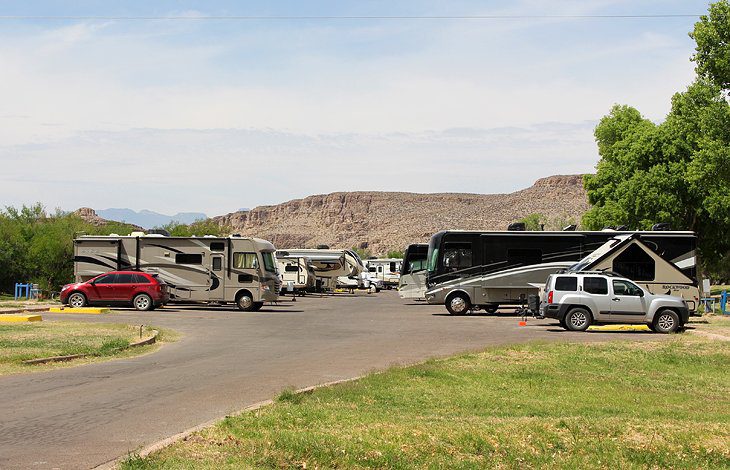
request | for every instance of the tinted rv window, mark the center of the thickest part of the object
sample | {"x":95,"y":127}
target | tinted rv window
{"x":188,"y":258}
{"x":291,"y":268}
{"x":566,"y":283}
{"x":595,"y":285}
{"x":269,"y":263}
{"x":392,"y":267}
{"x":635,"y":263}
{"x":457,"y":256}
{"x":523,"y":257}
{"x":245,"y":261}
{"x":217,"y":246}
{"x":217,"y":263}
{"x":371,"y":269}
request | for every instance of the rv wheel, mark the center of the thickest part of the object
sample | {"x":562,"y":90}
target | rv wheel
{"x":77,"y":300}
{"x":458,"y":304}
{"x":245,"y":302}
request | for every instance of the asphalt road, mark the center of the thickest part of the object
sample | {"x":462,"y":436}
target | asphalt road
{"x":84,"y":416}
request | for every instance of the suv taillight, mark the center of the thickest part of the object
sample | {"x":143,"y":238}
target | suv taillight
{"x":550,"y":297}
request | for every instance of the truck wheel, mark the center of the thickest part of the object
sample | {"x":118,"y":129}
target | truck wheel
{"x":666,"y":321}
{"x":245,"y":302}
{"x":458,"y":304}
{"x":578,"y":319}
{"x":142,"y":302}
{"x":77,"y":300}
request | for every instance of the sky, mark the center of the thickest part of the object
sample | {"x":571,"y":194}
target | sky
{"x":211,"y":115}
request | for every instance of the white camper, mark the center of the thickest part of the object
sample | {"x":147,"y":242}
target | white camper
{"x":332,"y":268}
{"x":238,"y":270}
{"x":412,"y":282}
{"x":297,"y":272}
{"x":385,"y":269}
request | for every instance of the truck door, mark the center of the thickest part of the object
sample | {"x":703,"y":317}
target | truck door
{"x":627,"y":301}
{"x":216,"y":283}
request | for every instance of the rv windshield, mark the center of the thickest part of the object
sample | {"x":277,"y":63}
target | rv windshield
{"x":269,"y":263}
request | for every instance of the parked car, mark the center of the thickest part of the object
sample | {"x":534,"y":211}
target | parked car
{"x":579,"y":300}
{"x":140,"y":290}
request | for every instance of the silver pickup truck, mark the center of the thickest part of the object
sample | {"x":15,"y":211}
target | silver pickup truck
{"x":579,"y":300}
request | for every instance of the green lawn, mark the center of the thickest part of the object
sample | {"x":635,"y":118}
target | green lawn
{"x":102,"y":341}
{"x":654,"y":404}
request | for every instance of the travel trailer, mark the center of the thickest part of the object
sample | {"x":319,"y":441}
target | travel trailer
{"x":385,"y":269}
{"x":412,"y":282}
{"x":296,"y":272}
{"x":238,"y":270}
{"x":333,"y":268}
{"x":502,"y":268}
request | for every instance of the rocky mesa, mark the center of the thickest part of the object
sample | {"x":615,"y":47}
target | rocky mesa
{"x":383,"y":221}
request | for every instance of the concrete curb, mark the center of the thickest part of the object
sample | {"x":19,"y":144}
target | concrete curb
{"x":159,"y":445}
{"x":43,"y":360}
{"x":30,"y":309}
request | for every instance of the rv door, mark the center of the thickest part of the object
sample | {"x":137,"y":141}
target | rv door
{"x":216,"y":283}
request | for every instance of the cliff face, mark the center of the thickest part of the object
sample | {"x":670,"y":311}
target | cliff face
{"x":383,"y":221}
{"x":90,"y":215}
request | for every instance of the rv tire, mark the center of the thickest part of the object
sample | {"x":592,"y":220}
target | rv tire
{"x":142,"y":302}
{"x":458,"y":303}
{"x":245,"y":302}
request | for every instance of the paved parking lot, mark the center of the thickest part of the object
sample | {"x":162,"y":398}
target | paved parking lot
{"x":84,"y":416}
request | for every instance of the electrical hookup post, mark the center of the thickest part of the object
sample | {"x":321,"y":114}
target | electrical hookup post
{"x":26,"y":291}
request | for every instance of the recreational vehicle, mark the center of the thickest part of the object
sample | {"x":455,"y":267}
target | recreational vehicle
{"x":385,"y":269}
{"x":333,"y":268}
{"x":297,"y":272}
{"x":412,"y":282}
{"x":489,"y":269}
{"x":233,"y":269}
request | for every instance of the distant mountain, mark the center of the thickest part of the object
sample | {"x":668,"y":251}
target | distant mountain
{"x":149,"y":219}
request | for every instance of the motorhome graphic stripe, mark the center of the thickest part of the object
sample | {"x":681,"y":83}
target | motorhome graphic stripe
{"x":90,"y":260}
{"x":174,"y":250}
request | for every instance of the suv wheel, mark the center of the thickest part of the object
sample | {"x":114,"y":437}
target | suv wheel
{"x":666,"y":321}
{"x":77,"y":300}
{"x":458,"y":304}
{"x":578,"y":319}
{"x":142,"y":302}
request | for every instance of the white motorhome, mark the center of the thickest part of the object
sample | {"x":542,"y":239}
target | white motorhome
{"x":220,"y":270}
{"x":385,"y":269}
{"x":412,"y":282}
{"x":297,"y":272}
{"x":332,"y":268}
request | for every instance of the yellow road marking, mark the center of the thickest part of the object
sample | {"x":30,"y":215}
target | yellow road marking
{"x":13,"y":318}
{"x":85,"y":310}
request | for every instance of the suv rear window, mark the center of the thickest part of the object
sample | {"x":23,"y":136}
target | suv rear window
{"x":595,"y":285}
{"x":566,"y":283}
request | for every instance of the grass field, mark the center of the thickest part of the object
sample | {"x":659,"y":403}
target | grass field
{"x":612,"y":405}
{"x":102,"y":341}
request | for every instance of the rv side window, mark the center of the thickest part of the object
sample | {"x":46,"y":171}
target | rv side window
{"x":457,"y":256}
{"x":188,"y":258}
{"x":217,"y":246}
{"x":380,"y":269}
{"x":245,"y":261}
{"x":566,"y":283}
{"x":371,"y":269}
{"x":217,"y":263}
{"x":269,"y":263}
{"x":635,"y":263}
{"x":291,"y":268}
{"x":595,"y":285}
{"x":523,"y":257}
{"x":392,"y":267}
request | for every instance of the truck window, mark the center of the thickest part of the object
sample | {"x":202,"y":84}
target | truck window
{"x":566,"y":283}
{"x":595,"y":285}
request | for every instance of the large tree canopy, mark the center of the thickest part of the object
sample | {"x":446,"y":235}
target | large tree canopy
{"x":712,"y":35}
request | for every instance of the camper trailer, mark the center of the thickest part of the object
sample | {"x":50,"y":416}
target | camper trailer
{"x":412,"y":282}
{"x":385,"y":269}
{"x":296,"y":273}
{"x":333,"y":268}
{"x":238,"y":270}
{"x":490,"y":269}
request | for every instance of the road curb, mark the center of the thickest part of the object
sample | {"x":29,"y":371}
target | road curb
{"x":43,"y":360}
{"x":31,"y":309}
{"x":159,"y":445}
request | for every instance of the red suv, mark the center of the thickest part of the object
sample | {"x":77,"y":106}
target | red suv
{"x":141,"y":290}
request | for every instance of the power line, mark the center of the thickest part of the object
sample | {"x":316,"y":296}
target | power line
{"x":330,"y":17}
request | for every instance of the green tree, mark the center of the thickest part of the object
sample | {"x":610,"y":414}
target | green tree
{"x":712,"y":35}
{"x":534,"y":222}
